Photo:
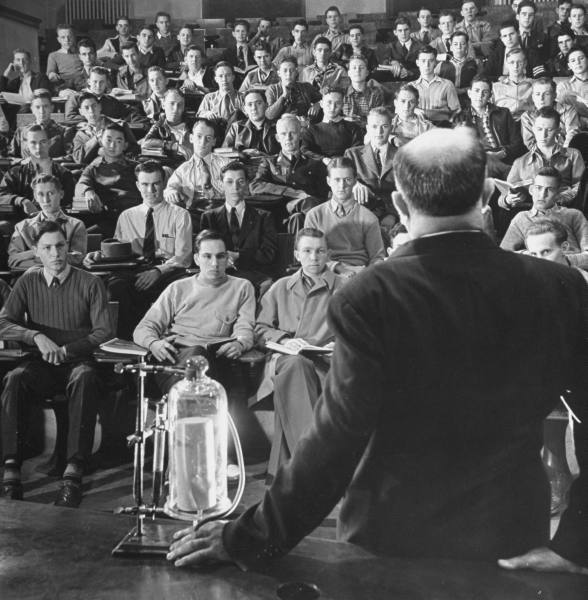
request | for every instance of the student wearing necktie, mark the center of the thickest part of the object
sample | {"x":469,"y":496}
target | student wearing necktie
{"x":159,"y":232}
{"x":249,"y":233}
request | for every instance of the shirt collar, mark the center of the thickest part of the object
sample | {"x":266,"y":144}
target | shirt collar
{"x":61,"y":277}
{"x":536,"y":213}
{"x":240,"y":208}
{"x":60,"y":218}
{"x":327,"y":278}
{"x":348,"y":209}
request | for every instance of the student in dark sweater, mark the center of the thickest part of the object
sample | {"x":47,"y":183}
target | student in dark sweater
{"x":333,"y":135}
{"x":68,"y":318}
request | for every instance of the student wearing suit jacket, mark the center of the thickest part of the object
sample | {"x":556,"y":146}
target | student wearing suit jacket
{"x":401,"y":55}
{"x":240,"y":56}
{"x":249,"y":234}
{"x":373,"y":163}
{"x":430,"y":424}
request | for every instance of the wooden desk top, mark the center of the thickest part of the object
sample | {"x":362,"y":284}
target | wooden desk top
{"x":50,"y":552}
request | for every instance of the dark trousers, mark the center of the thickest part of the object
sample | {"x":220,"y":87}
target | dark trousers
{"x":34,"y":380}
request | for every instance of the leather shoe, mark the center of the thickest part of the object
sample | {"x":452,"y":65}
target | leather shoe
{"x":11,"y":490}
{"x":69,"y":494}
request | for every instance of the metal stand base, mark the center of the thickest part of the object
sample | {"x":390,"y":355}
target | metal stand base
{"x":154,"y":541}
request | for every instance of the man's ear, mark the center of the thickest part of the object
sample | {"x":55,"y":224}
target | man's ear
{"x":400,"y":206}
{"x":565,"y":246}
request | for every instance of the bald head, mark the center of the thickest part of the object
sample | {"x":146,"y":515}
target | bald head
{"x":441,"y":172}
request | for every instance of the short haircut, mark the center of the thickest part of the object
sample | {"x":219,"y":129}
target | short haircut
{"x":207,"y":122}
{"x":262,"y":47}
{"x":380,"y":111}
{"x":185,"y":26}
{"x":268,"y":19}
{"x":102,"y":71}
{"x":47,"y":178}
{"x":545,"y":81}
{"x":526,"y":3}
{"x":507,"y":24}
{"x":289,"y":59}
{"x":241,"y":22}
{"x":207,"y":235}
{"x":162,"y":13}
{"x":88,"y":96}
{"x":289,"y":117}
{"x":401,"y":21}
{"x":427,"y":50}
{"x":129,"y":46}
{"x":234,"y":165}
{"x":322,"y":40}
{"x":359,"y":57}
{"x":196,"y":47}
{"x":64,"y":26}
{"x":356,"y":26}
{"x":41,"y":93}
{"x":36,"y":129}
{"x":515,"y":51}
{"x":332,"y":90}
{"x":151,"y":28}
{"x":259,"y":92}
{"x":123,"y":18}
{"x":332,"y":8}
{"x":580,"y":6}
{"x":48,"y":227}
{"x":481,"y":79}
{"x":308,"y":232}
{"x":553,"y":226}
{"x":566,"y":33}
{"x":156,"y":69}
{"x":460,"y":33}
{"x":550,"y":172}
{"x":223,"y":63}
{"x":115,"y":127}
{"x":442,"y":184}
{"x":576,"y":49}
{"x":468,"y":2}
{"x":174,"y":92}
{"x":300,"y":22}
{"x":150,"y":166}
{"x":548,"y":112}
{"x":408,"y":87}
{"x":447,"y":13}
{"x":86,"y":43}
{"x":341,"y":162}
{"x":22,"y":51}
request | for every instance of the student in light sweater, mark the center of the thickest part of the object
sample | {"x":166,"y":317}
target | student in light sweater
{"x":62,"y":311}
{"x":210,"y":313}
{"x":352,"y":231}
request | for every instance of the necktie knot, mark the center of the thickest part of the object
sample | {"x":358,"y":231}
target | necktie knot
{"x":340,"y":211}
{"x":55,"y":283}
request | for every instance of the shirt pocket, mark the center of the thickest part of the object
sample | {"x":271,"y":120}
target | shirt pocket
{"x":224,"y":322}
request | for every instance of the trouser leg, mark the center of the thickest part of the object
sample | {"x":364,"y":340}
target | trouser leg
{"x":29,"y":381}
{"x":84,"y":392}
{"x":297,"y":387}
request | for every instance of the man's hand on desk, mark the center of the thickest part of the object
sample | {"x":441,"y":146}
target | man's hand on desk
{"x":164,"y":349}
{"x":147,"y":279}
{"x":200,"y":547}
{"x":542,"y":559}
{"x":50,"y":351}
{"x":92,"y":258}
{"x":94,"y":203}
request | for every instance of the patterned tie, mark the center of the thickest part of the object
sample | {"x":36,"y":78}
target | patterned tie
{"x":149,"y":241}
{"x":378,"y":159}
{"x":426,"y":38}
{"x":234,"y":228}
{"x":241,"y":59}
{"x":55,"y":283}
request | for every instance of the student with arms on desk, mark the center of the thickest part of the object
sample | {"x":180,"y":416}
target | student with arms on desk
{"x":431,"y":419}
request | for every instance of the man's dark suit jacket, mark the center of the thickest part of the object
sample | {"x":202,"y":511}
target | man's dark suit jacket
{"x":448,"y":357}
{"x":395,"y":52}
{"x":380,"y":182}
{"x":493,"y":67}
{"x":38,"y":81}
{"x":258,"y":239}
{"x":240,"y":134}
{"x":156,"y":58}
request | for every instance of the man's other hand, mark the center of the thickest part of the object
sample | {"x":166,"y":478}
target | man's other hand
{"x":50,"y":351}
{"x":203,"y":546}
{"x":164,"y":349}
{"x":542,"y":559}
{"x":230,"y":350}
{"x":147,"y":279}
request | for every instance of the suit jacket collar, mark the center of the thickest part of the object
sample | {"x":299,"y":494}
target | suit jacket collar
{"x":454,"y":242}
{"x":369,"y":160}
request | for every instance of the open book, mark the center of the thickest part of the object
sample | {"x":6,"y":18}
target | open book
{"x":506,"y":188}
{"x":118,"y":346}
{"x":306,"y":349}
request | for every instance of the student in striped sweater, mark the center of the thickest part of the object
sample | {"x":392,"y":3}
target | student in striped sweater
{"x":67,"y":319}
